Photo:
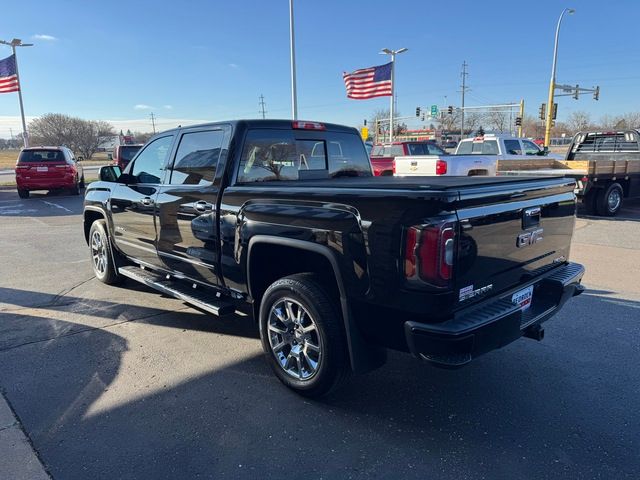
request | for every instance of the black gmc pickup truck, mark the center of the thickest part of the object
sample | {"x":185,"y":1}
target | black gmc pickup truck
{"x":285,"y":221}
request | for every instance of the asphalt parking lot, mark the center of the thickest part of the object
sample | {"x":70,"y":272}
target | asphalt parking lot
{"x":112,"y":382}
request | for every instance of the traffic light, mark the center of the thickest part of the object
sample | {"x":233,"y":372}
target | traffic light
{"x":422,"y":117}
{"x":543,"y":110}
{"x":555,"y":111}
{"x":577,"y":92}
{"x":450,"y":110}
{"x":518,"y":121}
{"x":596,"y":94}
{"x":417,"y":111}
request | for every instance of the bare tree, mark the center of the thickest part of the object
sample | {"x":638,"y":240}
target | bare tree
{"x":450,"y":122}
{"x":579,"y":120}
{"x":497,"y":120}
{"x":472,"y":121}
{"x":81,"y":136}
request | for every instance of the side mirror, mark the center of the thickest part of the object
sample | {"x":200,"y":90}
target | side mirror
{"x":109,"y":173}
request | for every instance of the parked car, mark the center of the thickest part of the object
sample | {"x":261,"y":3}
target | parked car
{"x":285,"y":221}
{"x":48,"y":168}
{"x":450,"y":144}
{"x":122,"y":154}
{"x":382,"y":154}
{"x":504,"y":147}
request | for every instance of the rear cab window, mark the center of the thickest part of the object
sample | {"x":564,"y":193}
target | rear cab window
{"x":388,"y":151}
{"x":278,"y":155}
{"x":42,"y":156}
{"x":127,"y":152}
{"x":475,"y":147}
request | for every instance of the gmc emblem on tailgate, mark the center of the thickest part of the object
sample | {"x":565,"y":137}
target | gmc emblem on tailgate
{"x":529,"y":238}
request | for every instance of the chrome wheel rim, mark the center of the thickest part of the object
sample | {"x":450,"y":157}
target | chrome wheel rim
{"x":294,"y":339}
{"x":98,"y":253}
{"x":614,"y":200}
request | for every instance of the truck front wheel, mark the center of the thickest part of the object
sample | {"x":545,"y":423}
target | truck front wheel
{"x":609,"y":200}
{"x":101,"y":255}
{"x":303,"y":336}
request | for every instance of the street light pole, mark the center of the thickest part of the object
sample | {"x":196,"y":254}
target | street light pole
{"x":292,"y":42}
{"x":552,"y":82}
{"x":16,"y":42}
{"x":393,"y":53}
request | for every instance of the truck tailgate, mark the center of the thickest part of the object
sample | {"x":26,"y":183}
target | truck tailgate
{"x":510,"y":233}
{"x":421,"y":165}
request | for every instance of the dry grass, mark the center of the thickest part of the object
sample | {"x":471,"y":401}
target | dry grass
{"x":8,"y":158}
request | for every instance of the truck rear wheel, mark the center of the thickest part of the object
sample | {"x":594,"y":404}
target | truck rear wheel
{"x":303,"y":336}
{"x":23,"y":193}
{"x":609,"y":200}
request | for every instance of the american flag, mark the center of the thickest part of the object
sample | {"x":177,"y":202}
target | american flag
{"x":8,"y":77}
{"x":369,"y":82}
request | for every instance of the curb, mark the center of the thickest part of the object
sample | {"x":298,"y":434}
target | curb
{"x":18,"y":461}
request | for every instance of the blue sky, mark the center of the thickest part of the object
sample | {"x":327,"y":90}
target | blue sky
{"x":210,"y":60}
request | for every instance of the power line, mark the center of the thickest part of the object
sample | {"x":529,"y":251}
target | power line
{"x":153,"y":122}
{"x":262,"y":105}
{"x":464,"y":75}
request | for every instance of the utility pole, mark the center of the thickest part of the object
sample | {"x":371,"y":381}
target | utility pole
{"x":153,"y":122}
{"x":521,"y":113}
{"x":11,"y":134}
{"x":262,"y":104}
{"x":464,"y":89}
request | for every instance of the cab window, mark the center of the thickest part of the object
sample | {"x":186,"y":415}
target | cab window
{"x":530,"y":148}
{"x":512,"y":147}
{"x":197,"y":157}
{"x":149,"y":164}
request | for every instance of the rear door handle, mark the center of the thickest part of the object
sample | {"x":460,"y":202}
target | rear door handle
{"x":202,"y":206}
{"x":146,"y":201}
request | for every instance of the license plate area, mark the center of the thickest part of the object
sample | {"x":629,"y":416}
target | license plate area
{"x":522,"y":298}
{"x":42,"y":169}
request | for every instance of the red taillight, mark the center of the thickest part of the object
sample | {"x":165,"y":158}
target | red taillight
{"x":22,"y":167}
{"x":393,"y":165}
{"x":300,"y":125}
{"x":441,"y":167}
{"x":430,"y":253}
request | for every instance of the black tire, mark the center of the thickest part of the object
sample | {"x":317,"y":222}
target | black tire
{"x":101,"y":254}
{"x":609,"y":200}
{"x":323,"y":315}
{"x":75,"y":190}
{"x":589,"y":202}
{"x":82,"y":184}
{"x":23,"y":193}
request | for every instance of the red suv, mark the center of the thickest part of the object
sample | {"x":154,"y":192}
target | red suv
{"x":48,"y":168}
{"x":122,"y":154}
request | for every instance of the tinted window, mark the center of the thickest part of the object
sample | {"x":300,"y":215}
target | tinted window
{"x":197,"y":157}
{"x":149,"y":165}
{"x":128,"y":152}
{"x":277,"y":155}
{"x":434,"y":149}
{"x":43,"y":155}
{"x":417,"y":149}
{"x":512,"y":147}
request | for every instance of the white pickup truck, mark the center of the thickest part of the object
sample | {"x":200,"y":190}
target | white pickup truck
{"x":451,"y":165}
{"x":503,"y":147}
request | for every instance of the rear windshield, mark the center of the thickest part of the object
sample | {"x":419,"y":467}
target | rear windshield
{"x":387,"y":151}
{"x":488,"y":147}
{"x":128,"y":152}
{"x":286,"y":155}
{"x":43,"y":155}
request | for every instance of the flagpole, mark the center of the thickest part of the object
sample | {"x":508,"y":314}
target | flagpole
{"x":393,"y":86}
{"x":292,"y":46}
{"x":393,"y":53}
{"x":25,"y":135}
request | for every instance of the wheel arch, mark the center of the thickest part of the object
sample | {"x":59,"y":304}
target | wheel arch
{"x":301,"y":255}
{"x":90,"y":215}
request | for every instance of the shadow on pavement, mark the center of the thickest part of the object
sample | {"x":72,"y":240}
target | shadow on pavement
{"x":531,"y":410}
